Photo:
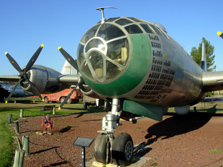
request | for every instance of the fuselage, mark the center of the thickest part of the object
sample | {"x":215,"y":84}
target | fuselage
{"x":136,"y":60}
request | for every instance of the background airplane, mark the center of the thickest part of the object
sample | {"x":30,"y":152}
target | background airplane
{"x":11,"y":90}
{"x":19,"y":92}
{"x":136,"y":67}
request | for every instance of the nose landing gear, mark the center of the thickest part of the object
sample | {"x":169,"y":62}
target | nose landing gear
{"x":108,"y":149}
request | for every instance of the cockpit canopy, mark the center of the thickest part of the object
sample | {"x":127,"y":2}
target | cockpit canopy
{"x":104,"y":50}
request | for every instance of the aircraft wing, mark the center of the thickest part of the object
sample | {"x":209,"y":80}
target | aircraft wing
{"x":11,"y":78}
{"x":212,"y":81}
{"x":67,"y":79}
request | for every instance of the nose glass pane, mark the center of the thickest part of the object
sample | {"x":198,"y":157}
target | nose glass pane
{"x":86,"y":71}
{"x":95,"y":43}
{"x":88,"y":35}
{"x":118,"y":51}
{"x":112,"y":70}
{"x":80,"y":53}
{"x":96,"y":61}
{"x":108,"y":32}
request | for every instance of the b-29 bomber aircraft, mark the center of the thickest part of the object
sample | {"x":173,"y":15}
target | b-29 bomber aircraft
{"x":136,"y":67}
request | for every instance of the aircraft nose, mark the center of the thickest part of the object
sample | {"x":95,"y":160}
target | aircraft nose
{"x":104,"y":56}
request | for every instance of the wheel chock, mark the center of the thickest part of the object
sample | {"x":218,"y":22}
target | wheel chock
{"x":98,"y":164}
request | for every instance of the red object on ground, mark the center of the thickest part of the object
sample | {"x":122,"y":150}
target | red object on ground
{"x":60,"y":96}
{"x":48,"y":123}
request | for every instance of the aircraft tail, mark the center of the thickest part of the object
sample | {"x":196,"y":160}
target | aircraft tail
{"x":203,"y":58}
{"x":68,"y":69}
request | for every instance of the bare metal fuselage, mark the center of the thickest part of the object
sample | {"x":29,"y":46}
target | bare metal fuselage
{"x":177,"y":81}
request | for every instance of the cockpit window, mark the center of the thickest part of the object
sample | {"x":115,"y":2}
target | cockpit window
{"x":155,"y":29}
{"x":110,"y":19}
{"x":147,"y":28}
{"x":133,"y":29}
{"x":105,"y":55}
{"x":112,"y":70}
{"x":95,"y":43}
{"x":96,"y":61}
{"x":108,"y":31}
{"x":80,"y":53}
{"x":89,"y":34}
{"x":123,"y":22}
{"x":118,"y":51}
{"x":86,"y":71}
{"x":135,"y":19}
{"x":164,"y":33}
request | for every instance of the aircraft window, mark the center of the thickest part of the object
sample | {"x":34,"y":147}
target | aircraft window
{"x":108,"y":31}
{"x":95,"y":43}
{"x":86,"y":71}
{"x":160,"y":31}
{"x":156,"y":30}
{"x":164,"y":33}
{"x":80,"y":53}
{"x":123,"y":22}
{"x":96,"y":61}
{"x":147,"y":28}
{"x":111,"y":19}
{"x":135,"y":19}
{"x":89,"y":34}
{"x":118,"y":51}
{"x":133,"y":29}
{"x":112,"y":70}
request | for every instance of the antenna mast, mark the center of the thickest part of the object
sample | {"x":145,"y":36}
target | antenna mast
{"x":102,"y":12}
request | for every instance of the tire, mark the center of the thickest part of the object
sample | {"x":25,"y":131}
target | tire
{"x":46,"y":100}
{"x":100,"y":148}
{"x":122,"y":149}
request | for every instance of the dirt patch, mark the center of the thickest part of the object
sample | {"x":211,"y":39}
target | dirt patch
{"x":192,"y":140}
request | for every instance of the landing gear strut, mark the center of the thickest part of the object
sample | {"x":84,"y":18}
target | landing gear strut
{"x":109,"y":149}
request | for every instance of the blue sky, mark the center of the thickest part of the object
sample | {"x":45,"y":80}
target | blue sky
{"x":26,"y":24}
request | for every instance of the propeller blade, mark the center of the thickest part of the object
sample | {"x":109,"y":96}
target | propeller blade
{"x":10,"y":95}
{"x":33,"y":58}
{"x":13,"y":62}
{"x":68,"y":58}
{"x":34,"y":88}
{"x":65,"y":100}
{"x":220,"y":34}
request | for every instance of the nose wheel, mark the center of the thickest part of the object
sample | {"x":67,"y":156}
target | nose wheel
{"x":100,"y":149}
{"x":122,"y":149}
{"x":108,"y":149}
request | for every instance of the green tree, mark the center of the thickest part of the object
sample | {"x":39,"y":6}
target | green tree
{"x":197,"y":52}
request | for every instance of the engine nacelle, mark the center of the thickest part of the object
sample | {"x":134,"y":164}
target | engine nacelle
{"x":44,"y":79}
{"x":86,"y":90}
{"x":182,"y":110}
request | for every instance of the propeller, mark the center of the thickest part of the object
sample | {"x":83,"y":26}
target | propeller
{"x":74,"y":64}
{"x":23,"y":72}
{"x":220,"y":34}
{"x":68,"y":58}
